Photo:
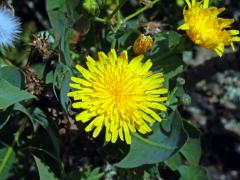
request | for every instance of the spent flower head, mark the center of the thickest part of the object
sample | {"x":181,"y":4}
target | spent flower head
{"x":119,"y":95}
{"x":142,"y":44}
{"x":9,"y":28}
{"x":206,"y":29}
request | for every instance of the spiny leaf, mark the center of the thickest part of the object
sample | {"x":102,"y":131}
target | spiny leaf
{"x":44,"y":171}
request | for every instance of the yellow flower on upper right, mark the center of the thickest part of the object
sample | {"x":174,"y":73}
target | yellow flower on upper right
{"x":206,"y":29}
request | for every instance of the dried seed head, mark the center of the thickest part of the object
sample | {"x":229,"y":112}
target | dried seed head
{"x":142,"y":44}
{"x":34,"y":85}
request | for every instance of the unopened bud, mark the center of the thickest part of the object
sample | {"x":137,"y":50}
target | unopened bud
{"x":91,"y":6}
{"x":185,"y":100}
{"x":180,"y":81}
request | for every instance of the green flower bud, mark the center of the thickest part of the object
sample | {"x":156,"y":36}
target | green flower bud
{"x":91,"y":6}
{"x":180,"y":3}
{"x":185,"y":99}
{"x":180,"y":81}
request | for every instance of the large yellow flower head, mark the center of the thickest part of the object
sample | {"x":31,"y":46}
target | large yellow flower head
{"x":205,"y":29}
{"x":119,"y":95}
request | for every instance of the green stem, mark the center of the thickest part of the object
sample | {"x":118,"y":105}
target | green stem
{"x":172,"y":93}
{"x":119,"y":21}
{"x":101,"y":20}
{"x":113,"y":45}
{"x":139,"y":11}
{"x":117,"y":10}
{"x":10,"y":149}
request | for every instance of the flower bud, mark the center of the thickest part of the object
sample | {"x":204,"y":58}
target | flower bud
{"x":185,"y":99}
{"x":180,"y":81}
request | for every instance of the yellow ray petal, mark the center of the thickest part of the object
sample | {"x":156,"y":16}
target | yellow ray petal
{"x":85,"y":116}
{"x":184,"y":27}
{"x":188,"y":3}
{"x":126,"y":133}
{"x":205,"y":3}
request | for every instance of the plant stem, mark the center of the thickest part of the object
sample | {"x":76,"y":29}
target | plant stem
{"x":139,"y":11}
{"x":172,"y":94}
{"x":10,"y":149}
{"x":119,"y":21}
{"x":117,"y":10}
{"x":101,"y":20}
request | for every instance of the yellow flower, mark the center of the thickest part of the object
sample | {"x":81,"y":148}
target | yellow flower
{"x":205,"y":29}
{"x":119,"y":95}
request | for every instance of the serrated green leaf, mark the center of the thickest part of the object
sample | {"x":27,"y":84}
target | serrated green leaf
{"x":44,"y":171}
{"x":164,"y":52}
{"x":64,"y":90}
{"x":10,"y":94}
{"x":192,"y":149}
{"x":61,"y":81}
{"x":192,"y":173}
{"x":86,"y":174}
{"x":163,"y":143}
{"x":95,"y":174}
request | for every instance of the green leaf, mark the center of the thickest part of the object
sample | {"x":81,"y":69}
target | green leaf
{"x":165,"y":52}
{"x":91,"y":6}
{"x":61,"y":81}
{"x":192,"y":173}
{"x":174,"y":162}
{"x":163,"y":143}
{"x":192,"y":149}
{"x":64,"y":48}
{"x":10,"y":94}
{"x":43,"y":170}
{"x":56,"y":4}
{"x":13,"y":75}
{"x":86,"y":174}
{"x":175,"y":97}
{"x":19,"y":107}
{"x":7,"y":159}
{"x":58,"y":22}
{"x":63,"y":92}
{"x":174,"y":72}
{"x":95,"y":174}
{"x":42,"y":119}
